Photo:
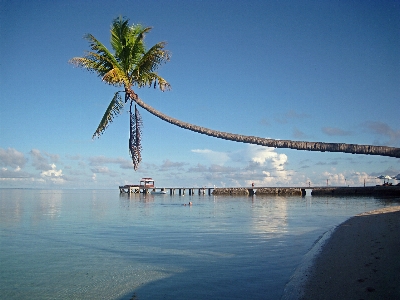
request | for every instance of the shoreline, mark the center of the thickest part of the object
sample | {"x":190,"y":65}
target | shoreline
{"x":358,"y":259}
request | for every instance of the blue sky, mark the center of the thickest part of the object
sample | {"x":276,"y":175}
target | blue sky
{"x":326,"y":71}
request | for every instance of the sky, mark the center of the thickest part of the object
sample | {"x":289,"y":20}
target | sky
{"x":324,"y":71}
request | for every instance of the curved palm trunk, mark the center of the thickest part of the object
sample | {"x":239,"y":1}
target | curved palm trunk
{"x":298,"y":145}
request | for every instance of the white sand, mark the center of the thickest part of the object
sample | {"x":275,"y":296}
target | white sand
{"x":361,"y":259}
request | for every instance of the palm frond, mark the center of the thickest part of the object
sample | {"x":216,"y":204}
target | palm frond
{"x":119,"y":30}
{"x":99,"y":60}
{"x":127,"y":41}
{"x":153,"y":79}
{"x":99,"y":48}
{"x":154,"y":57}
{"x":135,"y":137}
{"x":137,"y":48}
{"x":114,"y":109}
{"x":92,"y":62}
{"x":144,"y":74}
{"x":116,"y":77}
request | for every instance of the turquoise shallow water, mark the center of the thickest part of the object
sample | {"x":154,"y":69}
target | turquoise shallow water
{"x":84,"y":244}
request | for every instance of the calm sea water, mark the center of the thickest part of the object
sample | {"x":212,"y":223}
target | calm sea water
{"x":84,"y":244}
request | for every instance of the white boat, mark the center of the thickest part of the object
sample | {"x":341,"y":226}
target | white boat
{"x":158,"y":193}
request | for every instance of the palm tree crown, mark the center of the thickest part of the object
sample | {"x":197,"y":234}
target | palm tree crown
{"x":130,"y":65}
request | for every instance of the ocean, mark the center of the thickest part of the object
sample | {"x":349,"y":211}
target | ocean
{"x":100,"y":244}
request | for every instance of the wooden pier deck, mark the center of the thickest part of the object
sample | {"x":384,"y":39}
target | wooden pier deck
{"x":283,"y":191}
{"x":136,"y":189}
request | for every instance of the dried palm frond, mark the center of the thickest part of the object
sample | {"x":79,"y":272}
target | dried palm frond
{"x":135,"y":136}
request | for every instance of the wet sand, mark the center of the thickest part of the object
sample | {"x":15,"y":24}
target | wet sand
{"x":361,"y":260}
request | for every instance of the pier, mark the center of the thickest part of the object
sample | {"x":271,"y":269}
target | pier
{"x":277,"y":191}
{"x":379,"y":190}
{"x":137,"y":189}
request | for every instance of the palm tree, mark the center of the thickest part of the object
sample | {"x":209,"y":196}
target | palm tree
{"x":133,"y":65}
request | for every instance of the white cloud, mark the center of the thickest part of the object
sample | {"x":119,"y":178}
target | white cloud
{"x":6,"y":173}
{"x":39,"y":161}
{"x":253,"y":164}
{"x":53,"y":172}
{"x":348,"y":178}
{"x":11,"y":158}
{"x":263,"y":166}
{"x":198,"y":168}
{"x":270,"y":166}
{"x":53,"y":175}
{"x":213,"y":156}
{"x":267,"y":155}
{"x":359,"y":178}
{"x":167,"y":165}
{"x":102,"y":160}
{"x":334,"y":179}
{"x":103,"y":170}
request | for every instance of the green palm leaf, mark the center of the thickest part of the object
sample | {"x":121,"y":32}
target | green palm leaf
{"x":114,"y":109}
{"x":101,"y":50}
{"x":100,"y":61}
{"x":119,"y":31}
{"x":136,"y":49}
{"x":144,"y":74}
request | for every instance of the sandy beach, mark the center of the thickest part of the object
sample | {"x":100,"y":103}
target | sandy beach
{"x":361,"y":260}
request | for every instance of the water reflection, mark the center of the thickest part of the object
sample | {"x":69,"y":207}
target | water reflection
{"x":137,"y":196}
{"x":11,"y":207}
{"x":388,"y":200}
{"x":29,"y":207}
{"x":141,"y":204}
{"x":269,"y":215}
{"x":50,"y":203}
{"x":99,"y":208}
